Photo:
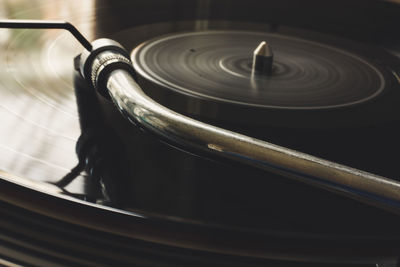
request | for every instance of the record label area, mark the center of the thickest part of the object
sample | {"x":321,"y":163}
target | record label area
{"x":218,"y":65}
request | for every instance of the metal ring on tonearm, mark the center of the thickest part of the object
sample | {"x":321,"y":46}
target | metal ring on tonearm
{"x":112,"y":74}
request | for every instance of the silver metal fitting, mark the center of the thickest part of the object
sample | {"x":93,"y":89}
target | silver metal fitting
{"x":106,"y":56}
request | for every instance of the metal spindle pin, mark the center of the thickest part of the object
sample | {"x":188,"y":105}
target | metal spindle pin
{"x":263,"y":59}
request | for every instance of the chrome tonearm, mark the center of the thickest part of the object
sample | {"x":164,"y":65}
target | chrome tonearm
{"x":110,"y":71}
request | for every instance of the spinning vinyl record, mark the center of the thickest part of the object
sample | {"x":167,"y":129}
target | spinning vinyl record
{"x":82,"y":183}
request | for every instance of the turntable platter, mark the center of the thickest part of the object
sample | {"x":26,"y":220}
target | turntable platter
{"x":217,"y":65}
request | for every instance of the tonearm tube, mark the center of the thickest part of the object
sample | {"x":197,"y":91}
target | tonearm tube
{"x":110,"y":71}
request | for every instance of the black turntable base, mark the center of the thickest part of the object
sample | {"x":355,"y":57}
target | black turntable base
{"x":82,"y":183}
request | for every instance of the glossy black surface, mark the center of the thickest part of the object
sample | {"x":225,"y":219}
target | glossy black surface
{"x":199,"y":198}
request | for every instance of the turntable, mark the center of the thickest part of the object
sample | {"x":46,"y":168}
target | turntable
{"x":226,"y":133}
